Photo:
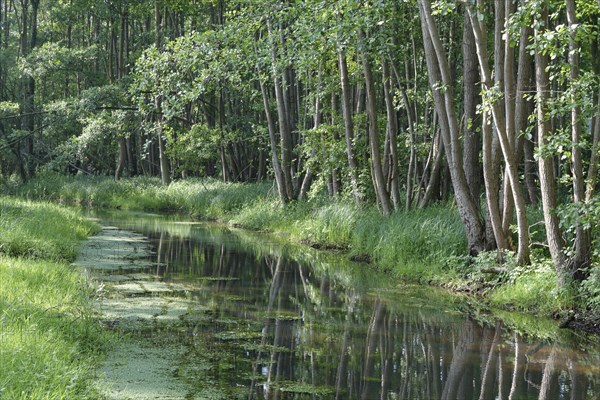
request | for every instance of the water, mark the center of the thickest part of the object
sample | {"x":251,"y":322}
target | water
{"x":278,"y":321}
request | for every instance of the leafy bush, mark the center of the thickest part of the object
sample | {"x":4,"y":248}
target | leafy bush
{"x":590,"y":290}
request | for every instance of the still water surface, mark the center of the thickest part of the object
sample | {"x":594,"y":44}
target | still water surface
{"x":277,"y":321}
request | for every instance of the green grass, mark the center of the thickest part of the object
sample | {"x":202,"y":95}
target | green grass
{"x":48,"y":338}
{"x":427,"y":246}
{"x":40,"y":230}
{"x":408,"y":244}
{"x":532,"y":290}
{"x":206,"y":199}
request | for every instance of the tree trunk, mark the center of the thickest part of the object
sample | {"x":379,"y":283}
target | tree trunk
{"x":583,"y":242}
{"x":439,"y":72}
{"x":122,"y":159}
{"x":592,"y":175}
{"x":499,"y":115}
{"x":316,"y":124}
{"x":522,"y":111}
{"x":545,"y":160}
{"x":412,"y":161}
{"x":284,"y":123}
{"x":383,"y":197}
{"x":165,"y":170}
{"x":437,"y":154}
{"x":279,"y":179}
{"x":348,"y":124}
{"x":472,"y":141}
{"x":28,"y":43}
{"x":392,"y":132}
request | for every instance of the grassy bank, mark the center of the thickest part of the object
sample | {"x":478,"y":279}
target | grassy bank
{"x":411,"y":245}
{"x":425,"y":246}
{"x":48,"y":339}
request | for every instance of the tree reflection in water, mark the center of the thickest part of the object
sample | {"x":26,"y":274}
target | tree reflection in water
{"x":338,"y":331}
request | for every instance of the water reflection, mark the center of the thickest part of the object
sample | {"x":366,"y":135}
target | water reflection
{"x":289,"y":325}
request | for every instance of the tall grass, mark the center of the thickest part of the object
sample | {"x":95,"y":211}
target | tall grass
{"x":206,"y":199}
{"x":419,"y":245}
{"x":40,"y":230}
{"x":47,"y":334}
{"x":48,"y":338}
{"x":411,"y":244}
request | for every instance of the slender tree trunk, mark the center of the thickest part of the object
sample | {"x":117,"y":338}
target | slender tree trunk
{"x":284,"y":126}
{"x":592,"y":175}
{"x":392,"y":132}
{"x":316,"y":124}
{"x":348,"y":124}
{"x":279,"y":179}
{"x":165,"y":170}
{"x":439,"y":72}
{"x":499,"y":115}
{"x":472,"y":141}
{"x":437,"y":154}
{"x":335,"y":173}
{"x":383,"y":196}
{"x":545,"y":160}
{"x":412,"y":161}
{"x":583,"y":243}
{"x":523,"y":110}
{"x":28,"y":43}
{"x":122,"y":159}
{"x":491,"y":176}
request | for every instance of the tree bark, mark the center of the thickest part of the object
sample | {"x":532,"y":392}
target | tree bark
{"x":165,"y":170}
{"x":583,"y":242}
{"x":472,"y":141}
{"x":348,"y":124}
{"x":392,"y":132}
{"x":122,"y":158}
{"x":545,"y":160}
{"x":284,"y":123}
{"x":499,"y":115}
{"x":524,"y":144}
{"x":592,"y":175}
{"x":279,"y":179}
{"x":383,"y":196}
{"x":439,"y":73}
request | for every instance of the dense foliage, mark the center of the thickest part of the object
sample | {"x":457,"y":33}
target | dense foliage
{"x":391,"y":104}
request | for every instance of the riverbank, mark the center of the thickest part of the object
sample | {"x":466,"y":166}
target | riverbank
{"x":49,"y":339}
{"x":424,"y":246}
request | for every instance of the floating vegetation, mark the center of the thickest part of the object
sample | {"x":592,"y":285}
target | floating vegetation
{"x":282,"y":315}
{"x":231,"y":297}
{"x":238,"y":335}
{"x":217,"y":278}
{"x":274,"y":328}
{"x":264,"y":347}
{"x":305,"y":388}
{"x":226,"y":321}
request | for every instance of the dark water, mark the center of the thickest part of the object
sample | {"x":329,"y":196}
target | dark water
{"x":278,"y":321}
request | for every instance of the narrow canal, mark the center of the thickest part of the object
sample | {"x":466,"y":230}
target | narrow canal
{"x":269,"y":320}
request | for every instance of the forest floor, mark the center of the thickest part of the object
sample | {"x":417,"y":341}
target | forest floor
{"x":145,"y":363}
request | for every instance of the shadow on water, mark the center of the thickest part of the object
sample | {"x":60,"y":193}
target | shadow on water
{"x":278,"y":321}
